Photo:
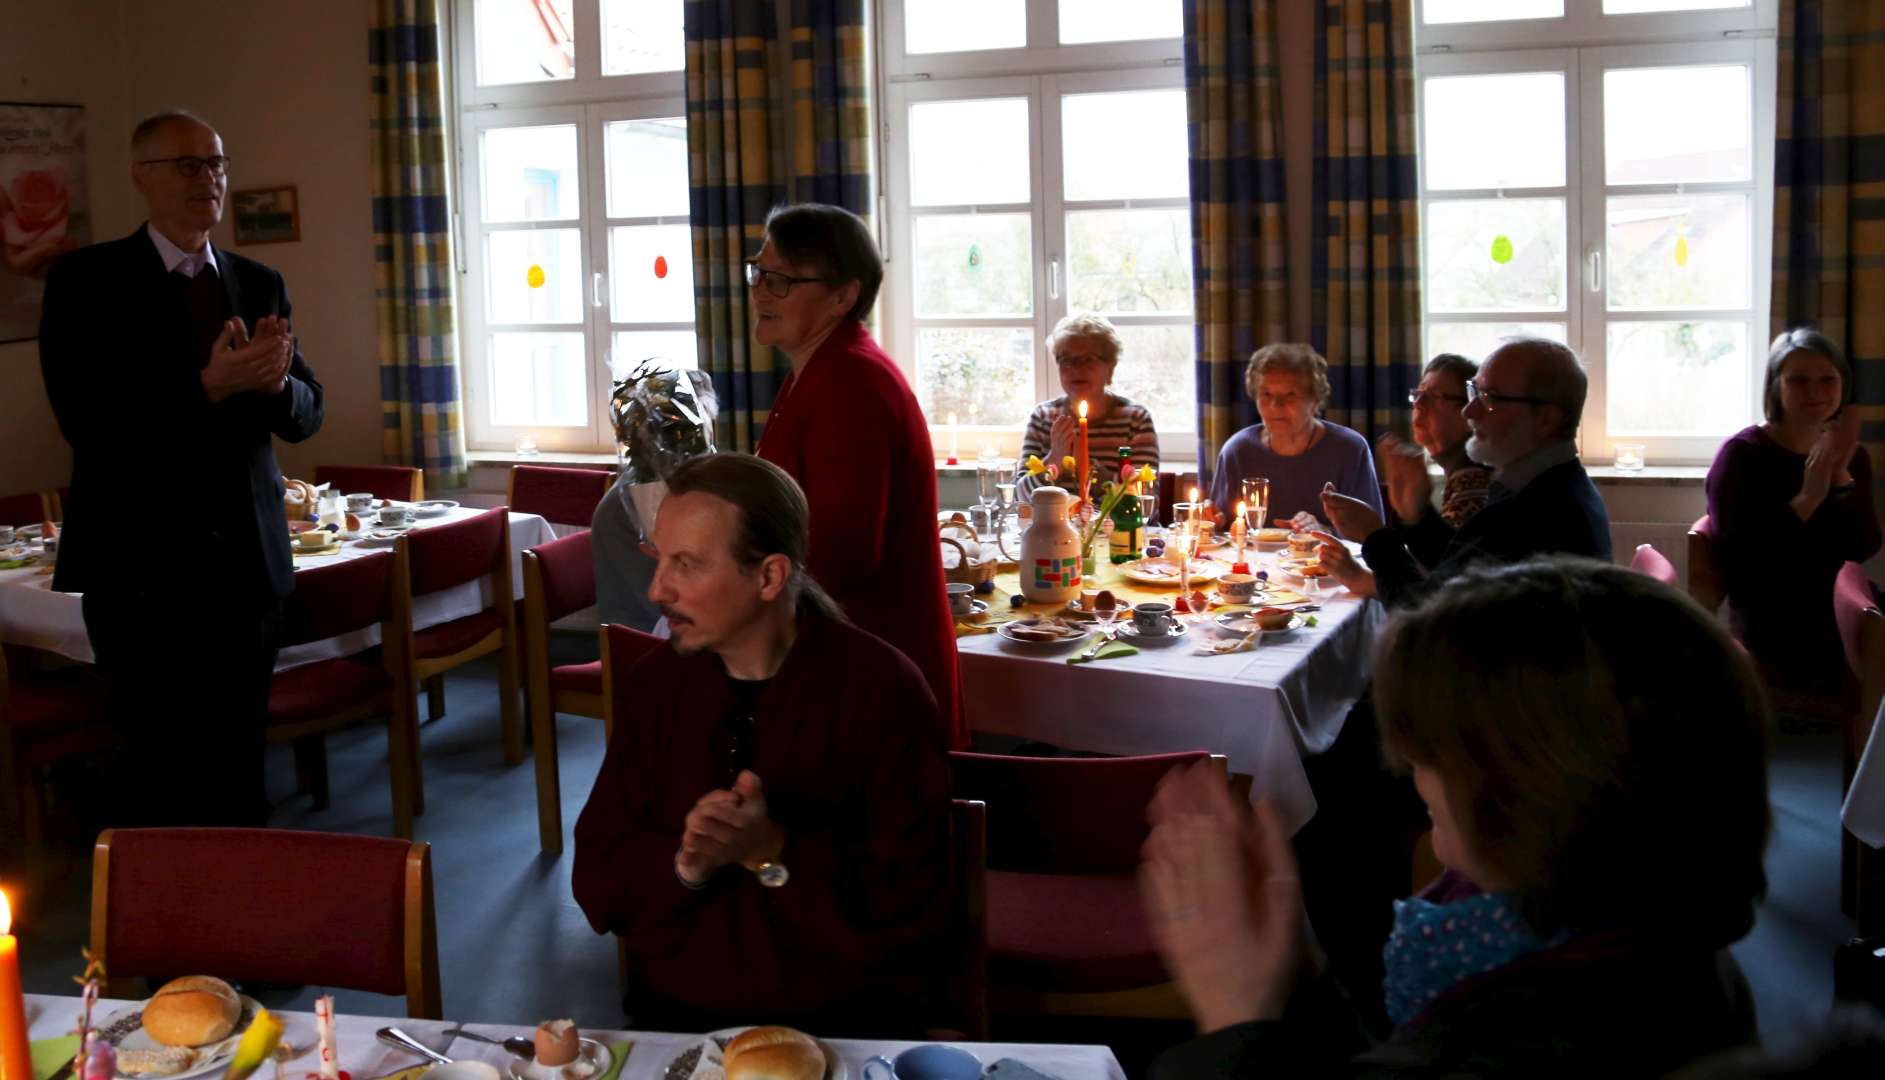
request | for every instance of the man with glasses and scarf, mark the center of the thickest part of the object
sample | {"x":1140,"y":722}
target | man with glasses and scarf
{"x":769,"y":837}
{"x":163,"y":352}
{"x":1523,"y":408}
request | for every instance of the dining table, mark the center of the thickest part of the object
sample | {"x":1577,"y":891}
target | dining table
{"x":35,"y":616}
{"x":647,"y":1054}
{"x":1263,"y":707}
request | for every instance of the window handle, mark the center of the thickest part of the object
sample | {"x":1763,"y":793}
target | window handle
{"x":1053,"y":279}
{"x":595,"y":289}
{"x":1594,"y":270}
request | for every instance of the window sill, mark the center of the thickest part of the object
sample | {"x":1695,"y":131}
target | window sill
{"x":1648,"y":476}
{"x":966,"y":467}
{"x":547,"y":457}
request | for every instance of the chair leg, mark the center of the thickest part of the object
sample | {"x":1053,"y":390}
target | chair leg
{"x":415,"y":753}
{"x":401,"y":762}
{"x":311,"y":769}
{"x":509,"y":715}
{"x":435,"y":697}
{"x":549,"y":785}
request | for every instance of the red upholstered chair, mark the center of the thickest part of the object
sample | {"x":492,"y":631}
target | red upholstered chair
{"x":559,"y":579}
{"x":622,"y":648}
{"x":27,"y":508}
{"x":307,"y":702}
{"x":1705,"y":584}
{"x":1067,"y":934}
{"x":44,"y":719}
{"x":1648,"y":560}
{"x":565,"y":496}
{"x":401,"y":482}
{"x":441,"y":557}
{"x":267,"y":905}
{"x":1862,"y":631}
{"x":967,"y":989}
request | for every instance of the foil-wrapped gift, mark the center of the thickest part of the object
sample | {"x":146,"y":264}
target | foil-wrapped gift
{"x":663,"y":414}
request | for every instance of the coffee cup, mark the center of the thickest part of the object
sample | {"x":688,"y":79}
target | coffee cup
{"x":361,"y":501}
{"x":1237,"y":587}
{"x":1153,"y":617}
{"x":961,"y":598}
{"x":396,"y":517}
{"x":930,"y":1061}
{"x":6,"y":534}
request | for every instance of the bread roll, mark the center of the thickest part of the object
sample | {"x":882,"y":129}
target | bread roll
{"x":558,"y":1042}
{"x":192,"y":1011}
{"x":774,"y":1053}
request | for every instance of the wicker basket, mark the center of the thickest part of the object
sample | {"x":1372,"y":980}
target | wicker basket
{"x":970,"y":567}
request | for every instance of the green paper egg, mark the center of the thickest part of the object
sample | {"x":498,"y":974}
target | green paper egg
{"x":1502,"y":249}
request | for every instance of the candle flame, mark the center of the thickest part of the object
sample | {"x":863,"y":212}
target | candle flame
{"x":1083,"y":408}
{"x":1240,"y":511}
{"x":1194,"y":495}
{"x":6,"y":913}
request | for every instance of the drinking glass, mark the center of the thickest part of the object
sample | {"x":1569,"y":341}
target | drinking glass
{"x":1256,"y":497}
{"x":1148,"y":506}
{"x":990,"y":472}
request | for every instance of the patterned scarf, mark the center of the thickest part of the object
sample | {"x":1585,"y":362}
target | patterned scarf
{"x":1435,"y":947}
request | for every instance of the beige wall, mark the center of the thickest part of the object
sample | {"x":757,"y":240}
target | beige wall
{"x":286,"y":84}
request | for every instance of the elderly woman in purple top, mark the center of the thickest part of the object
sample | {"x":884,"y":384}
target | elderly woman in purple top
{"x":1293,"y":448}
{"x":1791,"y":501}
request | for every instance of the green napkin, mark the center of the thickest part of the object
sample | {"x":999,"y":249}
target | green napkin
{"x":50,"y":1054}
{"x":618,"y":1054}
{"x":1112,"y":650}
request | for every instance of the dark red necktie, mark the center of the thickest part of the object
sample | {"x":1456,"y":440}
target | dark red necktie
{"x":204,"y":295}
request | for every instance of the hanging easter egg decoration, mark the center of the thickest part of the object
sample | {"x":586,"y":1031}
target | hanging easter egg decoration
{"x":1502,"y":249}
{"x":661,"y":266}
{"x":1682,"y":250}
{"x":534,"y":276}
{"x":975,"y":256}
{"x":1132,"y":264}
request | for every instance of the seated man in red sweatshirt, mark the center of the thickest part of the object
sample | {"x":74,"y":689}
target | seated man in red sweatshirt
{"x":770,"y":835}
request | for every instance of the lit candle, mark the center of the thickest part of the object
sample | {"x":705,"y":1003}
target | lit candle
{"x":955,"y":435}
{"x":1237,"y":532}
{"x":16,"y":1058}
{"x":1082,"y":462}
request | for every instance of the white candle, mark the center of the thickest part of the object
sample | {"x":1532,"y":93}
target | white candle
{"x":955,"y":435}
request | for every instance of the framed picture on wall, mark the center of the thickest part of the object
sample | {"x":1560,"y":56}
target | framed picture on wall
{"x":266,"y":215}
{"x":44,"y":210}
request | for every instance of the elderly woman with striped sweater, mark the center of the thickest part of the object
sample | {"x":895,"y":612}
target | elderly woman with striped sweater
{"x":1085,"y":349}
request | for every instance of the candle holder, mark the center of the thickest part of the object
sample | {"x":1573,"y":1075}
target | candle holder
{"x":1630,"y":457}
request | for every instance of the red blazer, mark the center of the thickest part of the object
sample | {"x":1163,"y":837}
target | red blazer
{"x":850,"y":432}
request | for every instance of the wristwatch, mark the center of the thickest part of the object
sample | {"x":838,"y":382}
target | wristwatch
{"x":772,"y":874}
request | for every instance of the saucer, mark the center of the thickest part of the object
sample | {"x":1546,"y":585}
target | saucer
{"x":433,"y":507}
{"x":1173,"y":631}
{"x":976,"y":608}
{"x":1241,"y":623}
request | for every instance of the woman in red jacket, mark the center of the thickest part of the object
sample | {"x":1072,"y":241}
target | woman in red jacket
{"x":847,"y":427}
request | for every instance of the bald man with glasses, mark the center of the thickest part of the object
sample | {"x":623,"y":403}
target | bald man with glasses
{"x":169,"y":360}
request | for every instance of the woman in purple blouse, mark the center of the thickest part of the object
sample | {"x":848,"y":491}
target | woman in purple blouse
{"x":1791,"y":501}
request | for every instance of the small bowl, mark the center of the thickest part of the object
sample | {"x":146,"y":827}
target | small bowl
{"x":1271,"y":618}
{"x":1237,"y":588}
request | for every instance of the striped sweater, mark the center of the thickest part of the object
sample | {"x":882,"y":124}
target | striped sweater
{"x":1126,"y":423}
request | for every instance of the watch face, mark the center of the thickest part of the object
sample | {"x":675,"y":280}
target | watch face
{"x":772,"y":875}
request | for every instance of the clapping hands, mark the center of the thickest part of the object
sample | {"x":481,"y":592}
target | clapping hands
{"x":726,"y":827}
{"x":239,"y":363}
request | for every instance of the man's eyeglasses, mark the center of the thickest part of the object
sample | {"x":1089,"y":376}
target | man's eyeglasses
{"x":778,"y":284}
{"x":1433,"y":398}
{"x":189,"y":166}
{"x":1493,"y":399}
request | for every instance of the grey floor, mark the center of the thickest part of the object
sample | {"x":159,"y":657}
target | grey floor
{"x":515,"y":948}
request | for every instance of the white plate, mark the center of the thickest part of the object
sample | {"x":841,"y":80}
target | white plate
{"x":976,"y":607}
{"x":124,"y":1030}
{"x":1241,"y":623}
{"x":1005,"y":631}
{"x":433,"y":507}
{"x":31,"y":532}
{"x":383,"y":534}
{"x":834,"y":1065}
{"x":592,"y":1052}
{"x":1202,"y":571}
{"x":1173,"y":631}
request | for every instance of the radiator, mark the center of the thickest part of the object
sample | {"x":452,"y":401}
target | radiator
{"x":1671,"y":538}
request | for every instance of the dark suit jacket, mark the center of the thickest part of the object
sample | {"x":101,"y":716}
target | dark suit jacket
{"x":1558,"y":512}
{"x":122,"y":362}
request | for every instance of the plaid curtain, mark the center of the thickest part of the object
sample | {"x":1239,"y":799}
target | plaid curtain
{"x":1829,"y":188}
{"x":1239,"y":287}
{"x":831,"y":105}
{"x":1365,"y":270}
{"x":413,"y":277}
{"x":734,"y":166}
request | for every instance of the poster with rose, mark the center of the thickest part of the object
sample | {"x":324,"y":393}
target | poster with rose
{"x":44,"y":211}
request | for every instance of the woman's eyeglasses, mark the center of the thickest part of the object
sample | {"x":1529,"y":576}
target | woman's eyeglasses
{"x":1433,"y":398}
{"x":778,"y":284}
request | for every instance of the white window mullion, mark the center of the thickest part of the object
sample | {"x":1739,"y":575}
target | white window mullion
{"x":1051,"y":214}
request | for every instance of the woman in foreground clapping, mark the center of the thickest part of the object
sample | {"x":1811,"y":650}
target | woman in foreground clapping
{"x":1602,"y":826}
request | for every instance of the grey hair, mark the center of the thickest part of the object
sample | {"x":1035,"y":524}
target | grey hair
{"x":1296,"y":359}
{"x":1452,"y":364}
{"x":1801,"y":339}
{"x":148,"y":127}
{"x":1558,"y":377}
{"x":1091,"y":327}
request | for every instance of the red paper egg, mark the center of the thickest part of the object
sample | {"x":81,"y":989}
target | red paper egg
{"x":661,"y":266}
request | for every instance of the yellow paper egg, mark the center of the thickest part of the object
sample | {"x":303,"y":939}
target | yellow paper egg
{"x":535,"y":276}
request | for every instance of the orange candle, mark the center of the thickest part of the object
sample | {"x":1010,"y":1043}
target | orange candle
{"x":1084,"y":489}
{"x":16,"y":1058}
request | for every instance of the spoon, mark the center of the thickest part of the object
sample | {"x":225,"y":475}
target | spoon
{"x":516,"y":1044}
{"x":392,"y":1036}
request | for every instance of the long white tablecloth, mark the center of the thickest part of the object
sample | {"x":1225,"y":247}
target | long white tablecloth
{"x":1263,"y":710}
{"x":1863,"y":814}
{"x":32,"y":614}
{"x":367,"y":1058}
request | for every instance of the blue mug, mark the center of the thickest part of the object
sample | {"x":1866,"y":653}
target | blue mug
{"x":931,"y":1061}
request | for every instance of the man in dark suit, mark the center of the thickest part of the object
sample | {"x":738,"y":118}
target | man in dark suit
{"x":170,"y":364}
{"x":1523,"y":408}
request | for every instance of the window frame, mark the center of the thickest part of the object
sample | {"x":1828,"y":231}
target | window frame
{"x":1661,"y":40}
{"x":590,"y":101}
{"x":1583,"y":23}
{"x":1042,"y":55}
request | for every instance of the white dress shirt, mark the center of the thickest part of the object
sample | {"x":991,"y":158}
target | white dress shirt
{"x":190,"y":263}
